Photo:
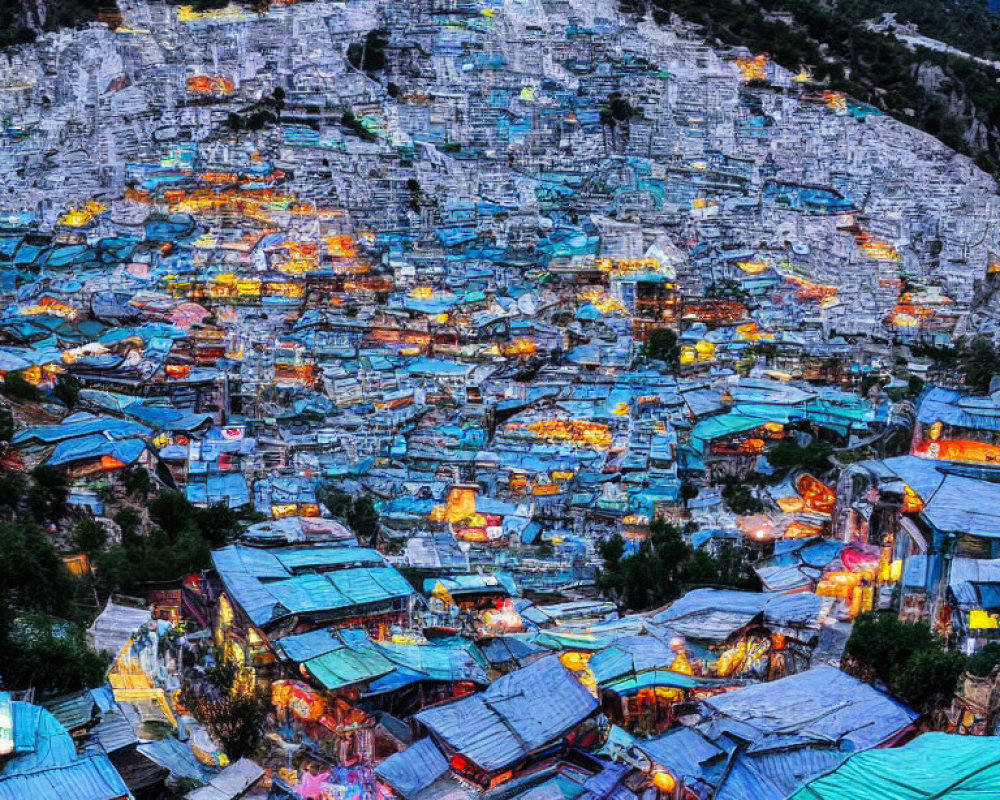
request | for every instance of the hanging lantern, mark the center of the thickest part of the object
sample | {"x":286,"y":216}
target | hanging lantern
{"x":664,"y":781}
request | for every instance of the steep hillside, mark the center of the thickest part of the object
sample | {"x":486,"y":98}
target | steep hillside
{"x":948,"y":93}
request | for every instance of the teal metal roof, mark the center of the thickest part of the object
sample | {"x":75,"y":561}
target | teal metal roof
{"x":346,"y":666}
{"x":276,"y":583}
{"x":45,"y":763}
{"x":936,"y":765}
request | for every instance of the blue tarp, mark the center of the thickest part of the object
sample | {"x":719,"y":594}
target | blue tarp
{"x":94,"y":446}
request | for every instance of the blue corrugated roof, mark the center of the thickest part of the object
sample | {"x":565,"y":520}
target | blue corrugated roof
{"x":45,"y":763}
{"x":274,"y":583}
{"x":518,"y":714}
{"x":963,"y":411}
{"x":413,"y":769}
{"x":823,"y":703}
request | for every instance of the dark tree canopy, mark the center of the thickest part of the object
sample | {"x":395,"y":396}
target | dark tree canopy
{"x":662,"y":345}
{"x":665,"y":566}
{"x":40,"y":646}
{"x":357,"y":512}
{"x":235,"y":718}
{"x":905,"y":657}
{"x":787,"y":454}
{"x":67,"y":391}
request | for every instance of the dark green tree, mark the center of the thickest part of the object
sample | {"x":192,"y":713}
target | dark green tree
{"x":982,"y":663}
{"x":13,"y":488}
{"x":700,"y":569}
{"x":67,"y":391}
{"x":33,"y":581}
{"x":914,"y":386}
{"x":879,"y":643}
{"x":363,"y":520}
{"x":16,"y":385}
{"x":217,"y":523}
{"x":928,"y":678}
{"x":787,"y":454}
{"x":6,"y":424}
{"x":138,"y":483}
{"x":652,"y":576}
{"x":90,"y":536}
{"x":236,"y":720}
{"x":906,"y":657}
{"x":611,"y":550}
{"x":48,"y":494}
{"x":369,"y":55}
{"x":982,"y":365}
{"x":358,"y":513}
{"x":172,"y":511}
{"x":616,"y":110}
{"x":740,"y":499}
{"x":52,"y":657}
{"x":726,"y":569}
{"x":129,"y":521}
{"x":734,"y":571}
{"x":156,"y":558}
{"x":662,"y":345}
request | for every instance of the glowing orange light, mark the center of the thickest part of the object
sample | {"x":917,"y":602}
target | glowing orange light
{"x":577,"y":432}
{"x":210,"y":84}
{"x":753,"y":69}
{"x":664,"y":781}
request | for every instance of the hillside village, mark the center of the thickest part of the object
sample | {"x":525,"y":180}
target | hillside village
{"x":486,"y":399}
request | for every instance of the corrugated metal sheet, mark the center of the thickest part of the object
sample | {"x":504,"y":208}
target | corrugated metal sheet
{"x":45,"y":763}
{"x":114,"y":732}
{"x":413,"y":769}
{"x":773,"y":776}
{"x":176,"y":757}
{"x":684,"y":752}
{"x":823,"y":703}
{"x":89,"y":778}
{"x":111,"y":631}
{"x":519,"y":713}
{"x":346,"y":667}
{"x":265,"y":583}
{"x":74,"y":710}
{"x":231,"y":783}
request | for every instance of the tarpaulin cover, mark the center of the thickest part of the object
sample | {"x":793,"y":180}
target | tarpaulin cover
{"x":115,"y":625}
{"x":772,"y":775}
{"x":630,"y":656}
{"x":346,"y":666}
{"x":936,"y":765}
{"x":96,"y":445}
{"x":420,"y":662}
{"x":80,"y":424}
{"x":958,"y":410}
